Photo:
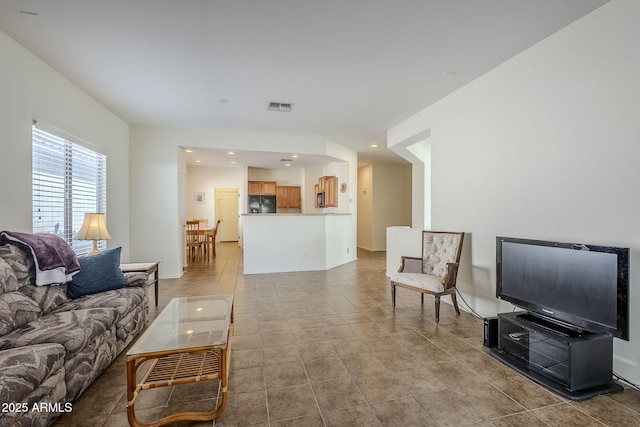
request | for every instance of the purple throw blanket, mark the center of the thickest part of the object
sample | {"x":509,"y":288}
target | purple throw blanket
{"x":54,"y":259}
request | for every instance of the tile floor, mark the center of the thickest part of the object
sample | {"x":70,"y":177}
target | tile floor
{"x":327,"y":349}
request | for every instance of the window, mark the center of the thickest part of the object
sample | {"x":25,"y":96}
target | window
{"x":68,"y":180}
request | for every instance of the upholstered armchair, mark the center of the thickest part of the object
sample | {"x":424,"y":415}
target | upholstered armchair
{"x":436,"y":272}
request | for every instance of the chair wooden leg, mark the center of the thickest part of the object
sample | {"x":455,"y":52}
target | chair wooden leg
{"x":455,"y":302}
{"x":437,"y":309}
{"x":393,"y":295}
{"x":421,"y":298}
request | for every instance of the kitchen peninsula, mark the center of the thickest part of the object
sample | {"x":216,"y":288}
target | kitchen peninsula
{"x":297,"y":242}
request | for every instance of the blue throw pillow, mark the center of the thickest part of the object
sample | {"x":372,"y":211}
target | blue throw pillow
{"x":99,"y":273}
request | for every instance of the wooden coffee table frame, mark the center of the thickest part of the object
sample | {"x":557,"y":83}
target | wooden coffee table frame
{"x":175,"y":367}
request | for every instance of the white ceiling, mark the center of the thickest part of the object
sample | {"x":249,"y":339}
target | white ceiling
{"x":352,"y":68}
{"x":264,"y":160}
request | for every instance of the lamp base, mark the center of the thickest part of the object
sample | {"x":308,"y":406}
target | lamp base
{"x":94,"y":250}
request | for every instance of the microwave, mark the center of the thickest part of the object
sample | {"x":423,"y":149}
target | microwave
{"x":320,"y":199}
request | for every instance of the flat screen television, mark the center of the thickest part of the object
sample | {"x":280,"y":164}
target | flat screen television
{"x":586,"y":287}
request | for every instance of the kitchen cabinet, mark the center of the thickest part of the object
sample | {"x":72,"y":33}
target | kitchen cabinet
{"x":327,"y":192}
{"x":289,"y":196}
{"x":295,"y":197}
{"x":262,"y":188}
{"x":331,"y":191}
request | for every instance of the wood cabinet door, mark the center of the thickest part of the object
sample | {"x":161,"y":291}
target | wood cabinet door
{"x":295,"y":197}
{"x":269,"y":188}
{"x":289,"y":196}
{"x":331,"y":191}
{"x":254,"y":187}
{"x":282,"y":196}
{"x":265,"y":188}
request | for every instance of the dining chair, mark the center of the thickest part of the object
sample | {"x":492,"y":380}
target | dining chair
{"x":436,"y":272}
{"x":204,"y":229}
{"x":194,"y":241}
{"x":211,"y":241}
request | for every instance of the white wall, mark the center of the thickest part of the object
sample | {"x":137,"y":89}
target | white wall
{"x":281,"y":176}
{"x":205,"y":180}
{"x":544,"y":146}
{"x":281,"y":242}
{"x":29,"y":90}
{"x":156,"y":219}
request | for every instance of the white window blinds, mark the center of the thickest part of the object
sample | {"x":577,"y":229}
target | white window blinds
{"x":68,"y":180}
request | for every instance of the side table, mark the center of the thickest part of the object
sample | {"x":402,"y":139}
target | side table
{"x":143,"y":267}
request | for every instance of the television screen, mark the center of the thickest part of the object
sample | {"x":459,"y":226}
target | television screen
{"x":583,"y":285}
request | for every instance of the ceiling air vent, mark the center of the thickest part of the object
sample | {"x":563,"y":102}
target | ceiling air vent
{"x":280,"y":106}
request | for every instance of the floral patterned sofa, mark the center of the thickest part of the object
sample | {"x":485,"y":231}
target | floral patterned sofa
{"x":52,"y":347}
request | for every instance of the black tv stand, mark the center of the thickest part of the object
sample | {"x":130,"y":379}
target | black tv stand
{"x":576,"y":365}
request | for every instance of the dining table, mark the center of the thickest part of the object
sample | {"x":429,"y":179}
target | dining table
{"x":207,"y":236}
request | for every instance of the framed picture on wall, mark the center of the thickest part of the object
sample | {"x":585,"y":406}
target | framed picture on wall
{"x":198,"y":197}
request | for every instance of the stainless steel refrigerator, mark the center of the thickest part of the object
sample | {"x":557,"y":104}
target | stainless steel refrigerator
{"x":261,"y":204}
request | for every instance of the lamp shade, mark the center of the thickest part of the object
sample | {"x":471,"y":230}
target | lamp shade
{"x":94,"y":227}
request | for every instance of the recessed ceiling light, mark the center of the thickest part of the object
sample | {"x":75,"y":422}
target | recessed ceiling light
{"x":233,"y":162}
{"x":231,"y":153}
{"x":374,"y":146}
{"x":198,"y":161}
{"x":295,"y":156}
{"x":287,"y":164}
{"x":189,"y":151}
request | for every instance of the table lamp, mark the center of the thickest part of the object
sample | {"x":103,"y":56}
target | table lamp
{"x":93,"y":228}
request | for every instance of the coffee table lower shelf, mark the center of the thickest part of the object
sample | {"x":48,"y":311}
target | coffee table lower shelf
{"x":174,"y":368}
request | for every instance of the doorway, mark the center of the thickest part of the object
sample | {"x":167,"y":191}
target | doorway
{"x":227,"y":200}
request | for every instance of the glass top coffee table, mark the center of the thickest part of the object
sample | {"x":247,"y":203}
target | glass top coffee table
{"x":189,"y":341}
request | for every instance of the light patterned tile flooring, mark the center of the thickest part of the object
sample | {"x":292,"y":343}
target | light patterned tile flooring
{"x":327,"y":349}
